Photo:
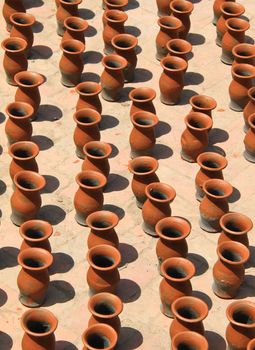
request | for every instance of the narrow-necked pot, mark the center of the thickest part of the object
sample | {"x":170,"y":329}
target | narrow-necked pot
{"x":96,"y":157}
{"x":249,"y":140}
{"x":244,"y":53}
{"x":179,"y":47}
{"x":163,"y":7}
{"x":22,"y":24}
{"x":75,"y":28}
{"x":203,"y":103}
{"x":88,"y":92}
{"x":100,"y":336}
{"x":66,"y":8}
{"x":249,"y":108}
{"x":142,"y":100}
{"x":216,"y":9}
{"x":115,"y":4}
{"x":182,"y":9}
{"x":9,"y":7}
{"x":36,"y":233}
{"x":189,"y":340}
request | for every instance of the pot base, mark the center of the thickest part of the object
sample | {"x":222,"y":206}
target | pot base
{"x":28,"y":302}
{"x":226,"y":58}
{"x":209,"y":226}
{"x":186,"y":157}
{"x":60,"y":28}
{"x":149,"y":230}
{"x":166,"y":310}
{"x":222,"y":291}
{"x":168,"y":102}
{"x":246,"y":128}
{"x":215,"y":20}
{"x":70,"y":80}
{"x":235,"y":107}
{"x":218,"y":39}
{"x":18,"y":219}
{"x":139,"y":204}
{"x":249,"y":157}
{"x":81,"y":220}
{"x":135,"y":153}
{"x":79,"y":153}
{"x":109,"y":95}
{"x":199,"y":194}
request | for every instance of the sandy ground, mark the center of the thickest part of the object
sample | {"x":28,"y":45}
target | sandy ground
{"x":144,"y":327}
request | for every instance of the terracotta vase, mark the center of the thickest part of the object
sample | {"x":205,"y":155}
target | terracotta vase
{"x":114,"y":24}
{"x":189,"y":340}
{"x":125,"y":46}
{"x":66,"y":8}
{"x":249,"y":108}
{"x":105,"y":308}
{"x":157,"y":205}
{"x":103,"y":274}
{"x":228,"y":271}
{"x":14,"y":59}
{"x":28,"y":88}
{"x":172,"y":232}
{"x":194,"y":139}
{"x":211,"y":166}
{"x":177,"y":273}
{"x":202,"y":103}
{"x":22,"y":24}
{"x":244,"y":53}
{"x":36,"y":234}
{"x":228,"y":10}
{"x":26,"y":200}
{"x":39,"y":326}
{"x":214,"y":204}
{"x":171,"y":81}
{"x":23,"y":154}
{"x":33,"y":279}
{"x":142,"y":100}
{"x":96,"y":157}
{"x":189,"y":313}
{"x":169,"y":27}
{"x":88,"y":92}
{"x":216,"y":9}
{"x":235,"y":34}
{"x":99,"y":335}
{"x":74,"y":29}
{"x":179,"y":48}
{"x":115,"y":4}
{"x":249,"y":140}
{"x":182,"y":9}
{"x":71,"y":63}
{"x":112,"y":78}
{"x":142,"y":137}
{"x":18,"y":126}
{"x":235,"y":227}
{"x":8,"y":8}
{"x":89,"y":196}
{"x":163,"y":7}
{"x":144,"y":172}
{"x":251,"y":345}
{"x":102,"y":229}
{"x":87,"y":128}
{"x":243,"y":76}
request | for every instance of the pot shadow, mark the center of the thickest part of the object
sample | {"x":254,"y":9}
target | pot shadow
{"x":162,"y":128}
{"x":142,"y":75}
{"x":162,"y":151}
{"x":52,"y":213}
{"x":62,"y":263}
{"x":200,"y":295}
{"x":42,"y":52}
{"x":186,"y":95}
{"x":196,"y":39}
{"x":132,"y":4}
{"x":59,"y":292}
{"x":92,"y":57}
{"x":138,"y":49}
{"x":108,"y":122}
{"x":216,"y":149}
{"x":124,"y":96}
{"x":5,"y":341}
{"x":193,"y":78}
{"x":128,"y":254}
{"x":132,"y":30}
{"x":115,"y":209}
{"x":218,"y":135}
{"x":2,"y":117}
{"x":49,"y":113}
{"x":195,"y":1}
{"x":8,"y":257}
{"x":65,"y":345}
{"x":33,"y":3}
{"x":128,"y":290}
{"x":251,"y":261}
{"x":235,"y":196}
{"x":200,"y":263}
{"x":38,"y":27}
{"x":249,"y":40}
{"x":90,"y":31}
{"x":116,"y":182}
{"x":114,"y":152}
{"x":1,"y":149}
{"x":86,"y":14}
{"x":52,"y":184}
{"x":129,"y":339}
{"x":3,"y":187}
{"x":247,"y":289}
{"x":3,"y":297}
{"x":43,"y":142}
{"x":215,"y":341}
{"x":89,"y":76}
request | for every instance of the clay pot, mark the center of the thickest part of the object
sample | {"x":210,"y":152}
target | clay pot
{"x":179,"y":48}
{"x":194,"y":139}
{"x":177,"y":273}
{"x":228,"y":271}
{"x":75,"y":28}
{"x":66,"y":8}
{"x":169,"y":29}
{"x":14,"y":60}
{"x":102,"y":229}
{"x":182,"y":9}
{"x":112,"y":78}
{"x":33,"y":279}
{"x":105,"y":308}
{"x":36,"y":233}
{"x":249,"y":108}
{"x":216,"y":9}
{"x":103,"y":274}
{"x":163,"y":7}
{"x":189,"y":340}
{"x":96,"y":157}
{"x":22,"y":24}
{"x":115,"y":4}
{"x":143,"y":170}
{"x":89,"y":196}
{"x":89,"y":96}
{"x":172,"y":232}
{"x":235,"y":34}
{"x":23,"y":155}
{"x":251,"y":345}
{"x":125,"y":46}
{"x":202,"y":103}
{"x":18,"y":126}
{"x":57,"y":3}
{"x":243,"y":76}
{"x":26,"y":200}
{"x":228,"y":10}
{"x":189,"y":313}
{"x":249,"y":140}
{"x":114,"y":24}
{"x":214,"y":204}
{"x":157,"y":205}
{"x":99,"y":335}
{"x":211,"y":166}
{"x":235,"y":227}
{"x":39,"y":326}
{"x":10,"y":7}
{"x":71,"y":63}
{"x":142,"y":98}
{"x":244,"y":53}
{"x":171,"y":81}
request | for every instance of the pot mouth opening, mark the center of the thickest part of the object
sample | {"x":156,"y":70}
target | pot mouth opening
{"x":188,"y":312}
{"x":70,"y":1}
{"x":102,"y":261}
{"x":27,"y":184}
{"x":176,"y":272}
{"x":159,"y":195}
{"x":143,"y":169}
{"x":234,"y":226}
{"x":75,"y":25}
{"x":210,"y":164}
{"x":124,"y":43}
{"x":244,"y":53}
{"x":89,"y":89}
{"x":169,"y":22}
{"x":21,"y":20}
{"x":185,"y":345}
{"x":101,"y":224}
{"x":204,"y":104}
{"x":142,"y":94}
{"x":98,"y":341}
{"x":217,"y":192}
{"x":96,"y":152}
{"x":34,"y":263}
{"x":231,"y":255}
{"x":144,"y":121}
{"x":116,"y":16}
{"x":23,"y":153}
{"x":242,"y":25}
{"x":34,"y":233}
{"x":178,"y":48}
{"x":172,"y":65}
{"x":181,"y":6}
{"x":244,"y":73}
{"x":90,"y":182}
{"x":242,"y":317}
{"x":171,"y":232}
{"x":104,"y":308}
{"x":14,"y":46}
{"x":28,"y":81}
{"x":197,"y":124}
{"x":86,"y":119}
{"x":113,"y":64}
{"x":71,"y":48}
{"x":116,"y":2}
{"x":38,"y":326}
{"x":18,"y":112}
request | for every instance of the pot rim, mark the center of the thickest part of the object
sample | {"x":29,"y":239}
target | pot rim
{"x":142,"y":90}
{"x":251,"y":91}
{"x":73,"y":19}
{"x":100,"y":145}
{"x":189,"y":5}
{"x":219,"y":182}
{"x":199,"y":115}
{"x":180,"y":42}
{"x":114,"y":251}
{"x":100,"y":326}
{"x":231,"y":14}
{"x":183,"y":64}
{"x":209,"y":99}
{"x":39,"y":178}
{"x":251,"y":121}
{"x":40,"y":311}
{"x":175,"y":219}
{"x":33,"y":146}
{"x":244,"y":25}
{"x":243,"y":66}
{"x":98,"y":214}
{"x":217,"y":158}
{"x":191,"y":269}
{"x":153,"y":162}
{"x":121,"y":14}
{"x":92,"y":174}
{"x":144,"y":114}
{"x":38,"y":77}
{"x":172,"y":19}
{"x":43,"y":253}
{"x":171,"y":193}
{"x":235,"y":215}
{"x":236,"y":245}
{"x":192,"y":302}
{"x":29,"y":16}
{"x":121,"y":60}
{"x":78,"y":45}
{"x":233,"y":306}
{"x":92,"y":113}
{"x":190,"y":336}
{"x":251,"y":344}
{"x":47,"y":229}
{"x":124,"y":36}
{"x":124,"y":3}
{"x":28,"y":109}
{"x":105,"y":297}
{"x":17,"y":40}
{"x":68,"y":3}
{"x":80,"y":86}
{"x":244,"y":46}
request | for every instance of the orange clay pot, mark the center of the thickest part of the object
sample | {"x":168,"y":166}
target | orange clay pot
{"x":22,"y":24}
{"x":203,"y":104}
{"x":163,"y":7}
{"x":96,"y":157}
{"x":179,"y":48}
{"x":189,"y":340}
{"x":9,"y":7}
{"x":99,"y":335}
{"x":249,"y":140}
{"x":74,"y":29}
{"x":114,"y":4}
{"x":244,"y":53}
{"x":216,"y":9}
{"x":88,"y":92}
{"x":66,"y":8}
{"x":182,"y":10}
{"x":142,"y":100}
{"x":36,"y":234}
{"x":249,"y":108}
